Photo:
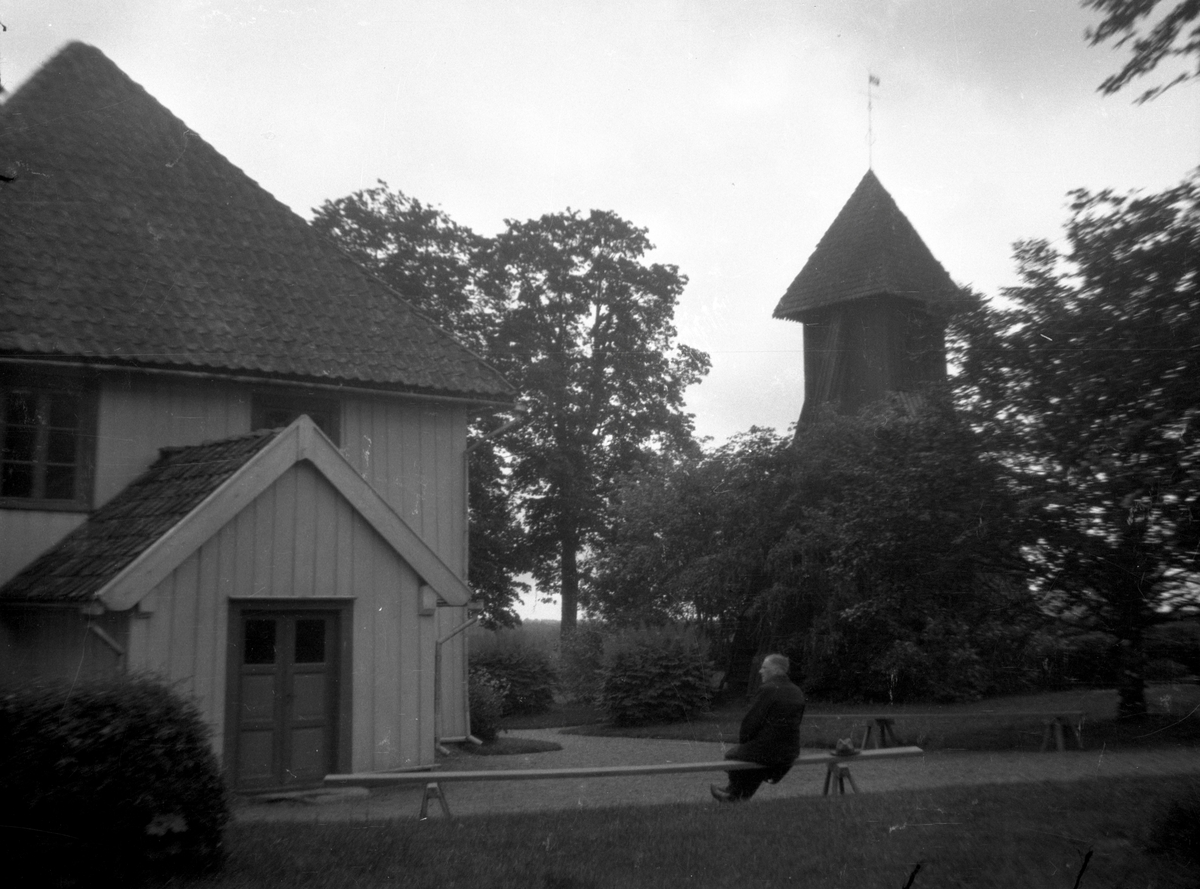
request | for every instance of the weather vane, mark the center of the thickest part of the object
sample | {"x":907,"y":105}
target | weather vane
{"x":872,"y":81}
{"x":3,"y":28}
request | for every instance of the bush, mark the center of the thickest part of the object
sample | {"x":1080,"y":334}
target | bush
{"x":109,"y":781}
{"x":581,"y":664}
{"x":1091,"y":658}
{"x":1177,"y":640}
{"x":487,"y":703}
{"x":879,"y":653}
{"x":1164,"y":670}
{"x":526,"y":674}
{"x":1177,"y":831}
{"x":660,"y":675}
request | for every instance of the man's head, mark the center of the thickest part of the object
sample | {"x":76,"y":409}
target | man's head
{"x":774,"y":665}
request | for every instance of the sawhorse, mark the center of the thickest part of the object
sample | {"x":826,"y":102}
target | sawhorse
{"x":886,"y":733}
{"x":841,"y":773}
{"x":433,"y":791}
{"x":1072,"y":721}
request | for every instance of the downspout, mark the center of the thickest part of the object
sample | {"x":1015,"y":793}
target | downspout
{"x":437,"y":689}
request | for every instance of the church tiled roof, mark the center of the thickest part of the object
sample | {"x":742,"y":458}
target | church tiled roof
{"x":871,"y":249}
{"x":126,"y":239}
{"x":79,"y":566}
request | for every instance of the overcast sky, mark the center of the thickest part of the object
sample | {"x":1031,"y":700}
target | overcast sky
{"x":733,"y":131}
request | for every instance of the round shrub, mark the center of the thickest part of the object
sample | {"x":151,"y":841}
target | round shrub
{"x":487,"y":703}
{"x":526,"y":672}
{"x":110,"y":781}
{"x":654,"y":676}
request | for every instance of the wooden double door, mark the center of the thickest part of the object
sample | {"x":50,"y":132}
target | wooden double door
{"x":285,"y":708}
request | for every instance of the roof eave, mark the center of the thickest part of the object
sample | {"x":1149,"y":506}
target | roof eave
{"x":360,"y":387}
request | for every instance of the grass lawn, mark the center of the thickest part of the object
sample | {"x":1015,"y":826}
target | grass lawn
{"x":993,"y":724}
{"x":1030,"y":836}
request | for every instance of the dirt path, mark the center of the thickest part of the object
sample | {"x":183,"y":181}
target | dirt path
{"x":935,"y":769}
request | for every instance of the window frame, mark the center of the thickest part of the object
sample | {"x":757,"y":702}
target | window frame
{"x":322,"y":409}
{"x":45,"y":388}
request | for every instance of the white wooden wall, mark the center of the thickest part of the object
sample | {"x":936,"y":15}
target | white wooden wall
{"x":410,"y":452}
{"x":301,"y":540}
{"x":413,"y":454}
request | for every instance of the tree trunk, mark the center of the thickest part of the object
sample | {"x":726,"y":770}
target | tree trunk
{"x":1131,"y":681}
{"x":1133,"y":617}
{"x":569,"y":583}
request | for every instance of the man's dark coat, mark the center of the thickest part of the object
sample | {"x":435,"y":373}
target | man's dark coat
{"x":770,"y":731}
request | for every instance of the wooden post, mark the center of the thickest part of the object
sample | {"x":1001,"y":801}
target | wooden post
{"x":432,"y":791}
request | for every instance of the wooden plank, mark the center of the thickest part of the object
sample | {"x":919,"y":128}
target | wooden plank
{"x":866,"y":717}
{"x":391,"y":779}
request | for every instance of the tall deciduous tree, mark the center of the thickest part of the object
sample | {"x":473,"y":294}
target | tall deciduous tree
{"x":1088,"y":379}
{"x":694,"y":533}
{"x":419,"y":251}
{"x":587,"y":335}
{"x":1174,"y":34}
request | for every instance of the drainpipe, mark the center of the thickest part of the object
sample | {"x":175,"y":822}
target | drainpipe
{"x":437,"y":688}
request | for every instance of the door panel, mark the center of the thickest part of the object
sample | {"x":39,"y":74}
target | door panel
{"x":285,"y":697}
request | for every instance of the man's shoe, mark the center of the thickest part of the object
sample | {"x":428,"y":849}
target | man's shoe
{"x":720,"y":793}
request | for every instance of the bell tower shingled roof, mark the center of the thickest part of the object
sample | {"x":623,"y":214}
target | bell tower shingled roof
{"x":871,"y":249}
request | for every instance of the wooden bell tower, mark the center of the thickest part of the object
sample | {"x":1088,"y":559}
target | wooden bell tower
{"x":874,"y":304}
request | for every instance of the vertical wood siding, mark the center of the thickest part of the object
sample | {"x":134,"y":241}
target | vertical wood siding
{"x":139,"y":415}
{"x":300,"y":540}
{"x":412,"y":454}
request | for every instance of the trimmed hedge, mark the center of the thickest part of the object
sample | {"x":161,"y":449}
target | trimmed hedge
{"x":655,"y":676}
{"x":526,"y":676}
{"x":581,"y":663}
{"x":108,"y":782}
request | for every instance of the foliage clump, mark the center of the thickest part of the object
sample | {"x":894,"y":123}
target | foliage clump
{"x":1177,"y":831}
{"x":879,"y":552}
{"x":1071,"y":385}
{"x":655,"y":676}
{"x":524,"y":675}
{"x":108,"y":780}
{"x":486,"y":694}
{"x":581,"y":663}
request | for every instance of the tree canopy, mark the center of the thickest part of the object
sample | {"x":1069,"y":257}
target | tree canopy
{"x":419,"y":251}
{"x":570,"y":310}
{"x":587,"y":336}
{"x":1086,"y":378}
{"x":877,"y":550}
{"x":1174,"y":34}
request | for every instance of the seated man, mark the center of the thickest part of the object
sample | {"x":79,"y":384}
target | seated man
{"x":770,"y":732}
